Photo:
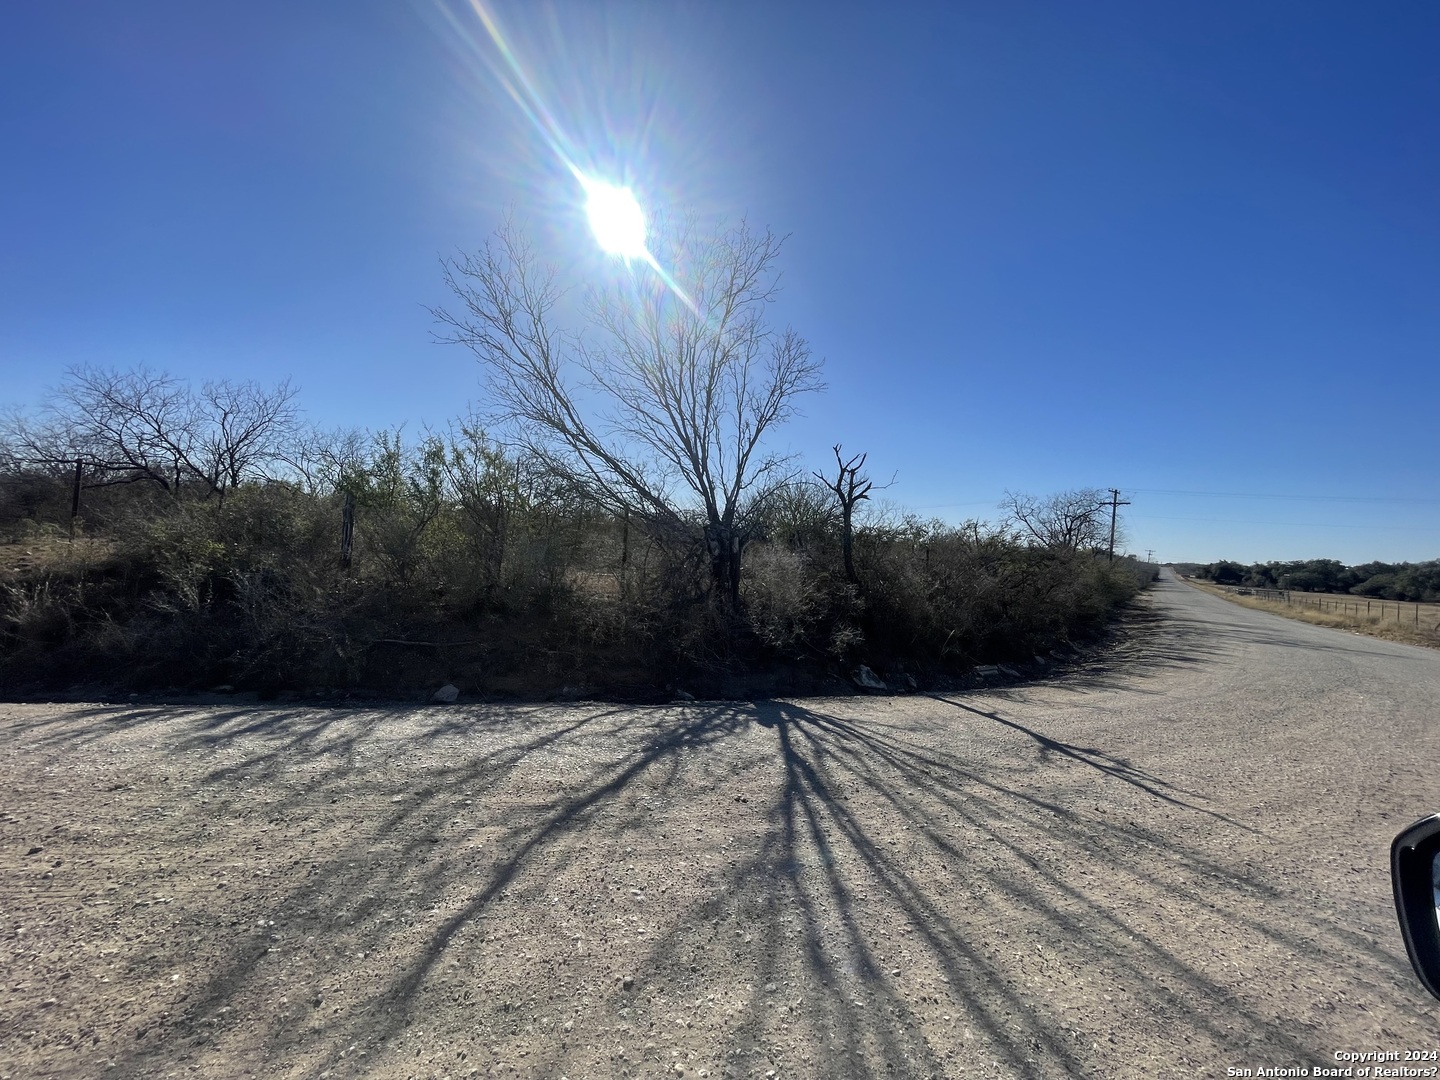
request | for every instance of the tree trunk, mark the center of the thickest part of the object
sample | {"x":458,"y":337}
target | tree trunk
{"x":347,"y":529}
{"x":847,"y":545}
{"x":726,"y":546}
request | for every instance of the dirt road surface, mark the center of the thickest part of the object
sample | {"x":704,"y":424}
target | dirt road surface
{"x":1169,"y":862}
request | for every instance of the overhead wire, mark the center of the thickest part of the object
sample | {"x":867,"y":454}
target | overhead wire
{"x":1287,"y":524}
{"x":1281,"y":495}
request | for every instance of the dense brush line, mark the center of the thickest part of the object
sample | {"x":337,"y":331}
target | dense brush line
{"x":475,"y":567}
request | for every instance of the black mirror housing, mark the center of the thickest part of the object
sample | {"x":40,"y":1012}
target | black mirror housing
{"x":1412,"y":873}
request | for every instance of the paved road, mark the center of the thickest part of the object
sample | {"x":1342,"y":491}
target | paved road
{"x":1171,"y":862}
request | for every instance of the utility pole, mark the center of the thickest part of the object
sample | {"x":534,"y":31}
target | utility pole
{"x":1150,"y":555}
{"x":75,"y":498}
{"x":1115,"y":503}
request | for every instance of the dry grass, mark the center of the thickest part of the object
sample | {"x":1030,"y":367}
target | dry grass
{"x":1427,"y":633}
{"x":41,"y":554}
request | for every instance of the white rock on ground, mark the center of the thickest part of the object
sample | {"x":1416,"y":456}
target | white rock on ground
{"x":866,"y":678}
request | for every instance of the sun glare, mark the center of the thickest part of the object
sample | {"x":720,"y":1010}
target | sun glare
{"x":616,"y":219}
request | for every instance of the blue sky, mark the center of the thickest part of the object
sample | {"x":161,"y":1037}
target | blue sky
{"x":1190,"y":251}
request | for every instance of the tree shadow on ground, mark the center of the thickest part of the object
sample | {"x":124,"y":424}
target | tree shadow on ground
{"x":771,"y":885}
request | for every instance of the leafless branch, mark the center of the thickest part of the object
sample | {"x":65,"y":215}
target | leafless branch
{"x":1070,"y":520}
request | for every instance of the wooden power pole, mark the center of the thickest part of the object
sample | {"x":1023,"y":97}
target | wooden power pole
{"x":75,"y":498}
{"x":1115,"y":503}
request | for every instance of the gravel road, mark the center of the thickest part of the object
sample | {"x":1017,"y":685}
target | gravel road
{"x":1168,"y":861}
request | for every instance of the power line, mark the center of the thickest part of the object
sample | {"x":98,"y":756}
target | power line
{"x":1282,"y":495}
{"x":947,"y":506}
{"x":1291,"y":524}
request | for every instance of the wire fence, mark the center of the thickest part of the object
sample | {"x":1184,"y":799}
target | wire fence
{"x":1419,"y":615}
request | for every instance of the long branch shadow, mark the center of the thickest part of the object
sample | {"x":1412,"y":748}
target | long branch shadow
{"x":1109,"y":764}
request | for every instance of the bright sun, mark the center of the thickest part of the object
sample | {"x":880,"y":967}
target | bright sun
{"x":616,"y":219}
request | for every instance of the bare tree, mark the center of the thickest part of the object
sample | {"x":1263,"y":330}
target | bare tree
{"x":851,"y":488}
{"x":665,"y":414}
{"x":1070,"y":520}
{"x":150,"y":427}
{"x":136,"y":426}
{"x":326,"y":461}
{"x":245,"y":428}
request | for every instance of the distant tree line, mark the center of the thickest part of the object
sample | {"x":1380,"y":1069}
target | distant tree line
{"x":1381,"y":580}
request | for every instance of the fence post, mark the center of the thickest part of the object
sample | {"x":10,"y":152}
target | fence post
{"x":624,"y":548}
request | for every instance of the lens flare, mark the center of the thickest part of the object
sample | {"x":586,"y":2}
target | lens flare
{"x":616,"y":219}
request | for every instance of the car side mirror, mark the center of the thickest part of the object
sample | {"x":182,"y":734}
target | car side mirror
{"x":1415,"y":874}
